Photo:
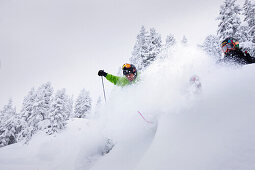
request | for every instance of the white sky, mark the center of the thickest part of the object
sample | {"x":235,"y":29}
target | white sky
{"x":66,"y":42}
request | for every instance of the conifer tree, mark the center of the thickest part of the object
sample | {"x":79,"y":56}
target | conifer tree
{"x":43,"y":99}
{"x":28,"y":104}
{"x":155,"y":46}
{"x":167,"y":47}
{"x":147,"y":48}
{"x":60,"y":111}
{"x":249,"y":17}
{"x":211,"y":46}
{"x":35,"y":111}
{"x":139,"y":49}
{"x":229,"y":20}
{"x":248,"y":28}
{"x":27,"y":112}
{"x":170,"y":41}
{"x":82,"y":105}
{"x":9,"y":125}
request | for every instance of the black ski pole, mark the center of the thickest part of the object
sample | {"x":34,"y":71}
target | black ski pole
{"x":103,"y":88}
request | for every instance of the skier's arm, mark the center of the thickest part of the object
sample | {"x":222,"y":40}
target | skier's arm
{"x":119,"y":81}
{"x":248,"y":56}
{"x":112,"y":78}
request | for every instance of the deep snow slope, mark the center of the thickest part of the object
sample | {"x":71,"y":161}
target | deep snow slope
{"x":75,"y":148}
{"x":208,"y":129}
{"x":213,"y":129}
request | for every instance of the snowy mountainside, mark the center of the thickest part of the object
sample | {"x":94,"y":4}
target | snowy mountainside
{"x":212,"y":128}
{"x":74,"y":148}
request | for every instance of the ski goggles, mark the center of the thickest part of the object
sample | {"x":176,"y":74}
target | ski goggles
{"x":127,"y":72}
{"x":126,"y":66}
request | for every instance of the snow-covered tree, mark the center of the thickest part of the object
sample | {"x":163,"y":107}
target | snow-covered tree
{"x":69,"y":106}
{"x":229,"y":20}
{"x":167,"y":47}
{"x":170,"y":41}
{"x":43,"y":99}
{"x":147,"y":48}
{"x":82,"y":105}
{"x":249,"y":17}
{"x":138,"y":49}
{"x":35,"y":111}
{"x":41,"y":108}
{"x":60,"y":111}
{"x":155,"y":46}
{"x":243,"y":33}
{"x":9,"y":125}
{"x":247,"y":30}
{"x":211,"y":46}
{"x":28,"y":104}
{"x":27,"y":113}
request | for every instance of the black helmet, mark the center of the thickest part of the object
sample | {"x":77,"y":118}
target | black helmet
{"x":129,"y":68}
{"x":229,"y":44}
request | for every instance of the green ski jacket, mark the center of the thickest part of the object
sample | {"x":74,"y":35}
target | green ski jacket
{"x":119,"y":81}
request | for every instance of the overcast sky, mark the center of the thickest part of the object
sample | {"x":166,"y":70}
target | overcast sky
{"x":66,"y":42}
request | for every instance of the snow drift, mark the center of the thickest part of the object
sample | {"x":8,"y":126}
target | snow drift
{"x":208,"y":129}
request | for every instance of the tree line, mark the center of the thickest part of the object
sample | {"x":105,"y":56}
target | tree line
{"x":42,"y":110}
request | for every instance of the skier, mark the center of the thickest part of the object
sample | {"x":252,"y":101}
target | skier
{"x":232,"y":52}
{"x":129,"y":71}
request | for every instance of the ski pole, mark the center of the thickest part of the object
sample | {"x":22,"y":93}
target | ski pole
{"x":144,"y":118}
{"x":103,"y":88}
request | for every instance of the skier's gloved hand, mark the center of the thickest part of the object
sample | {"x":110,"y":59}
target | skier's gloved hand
{"x":102,"y":73}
